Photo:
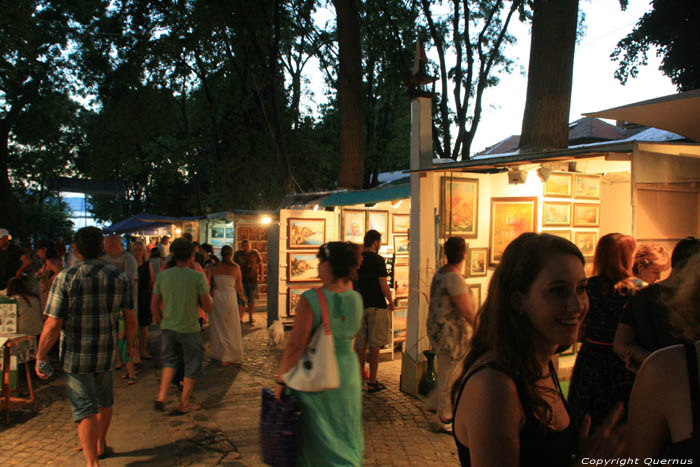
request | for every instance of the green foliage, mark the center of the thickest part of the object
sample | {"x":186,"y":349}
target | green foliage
{"x":671,"y":26}
{"x":42,"y":215}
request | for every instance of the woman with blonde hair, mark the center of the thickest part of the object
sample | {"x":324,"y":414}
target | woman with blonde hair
{"x":664,"y":414}
{"x":650,"y":261}
{"x":600,"y":379}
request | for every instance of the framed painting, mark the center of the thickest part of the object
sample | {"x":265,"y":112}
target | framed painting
{"x":400,"y":280}
{"x":293,"y":295}
{"x":302,"y":266}
{"x":586,"y":215}
{"x":475,"y":290}
{"x":510,"y":217}
{"x":379,"y":221}
{"x":218,"y":232}
{"x":555,"y":213}
{"x":559,"y":233}
{"x":586,"y":242}
{"x":477,"y":262}
{"x":400,"y":245}
{"x":353,"y":226}
{"x":587,"y":186}
{"x":459,"y":207}
{"x":228,"y":232}
{"x":400,"y":223}
{"x":558,"y":185}
{"x":305,"y":233}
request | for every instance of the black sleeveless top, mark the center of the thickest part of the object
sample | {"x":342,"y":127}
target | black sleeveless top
{"x":690,"y":448}
{"x":539,"y":444}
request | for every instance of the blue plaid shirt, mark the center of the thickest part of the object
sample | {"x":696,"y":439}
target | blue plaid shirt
{"x":88,"y":297}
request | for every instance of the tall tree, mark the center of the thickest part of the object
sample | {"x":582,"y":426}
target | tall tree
{"x":550,"y":74}
{"x":672,"y":27}
{"x":350,"y":100}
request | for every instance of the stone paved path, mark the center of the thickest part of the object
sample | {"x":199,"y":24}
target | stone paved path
{"x":225,"y":431}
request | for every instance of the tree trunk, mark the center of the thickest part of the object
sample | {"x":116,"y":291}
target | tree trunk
{"x":550,"y":73}
{"x":350,"y":95}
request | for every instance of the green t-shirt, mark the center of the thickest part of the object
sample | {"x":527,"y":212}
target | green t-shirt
{"x":180,"y":289}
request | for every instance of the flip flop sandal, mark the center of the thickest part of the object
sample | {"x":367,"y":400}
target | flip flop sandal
{"x":375,"y":387}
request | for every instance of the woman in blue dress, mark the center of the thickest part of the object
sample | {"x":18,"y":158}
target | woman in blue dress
{"x":331,"y":421}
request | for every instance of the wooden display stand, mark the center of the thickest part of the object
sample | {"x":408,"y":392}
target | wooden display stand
{"x":11,"y":346}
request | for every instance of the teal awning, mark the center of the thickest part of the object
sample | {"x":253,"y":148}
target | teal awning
{"x":373,"y":195}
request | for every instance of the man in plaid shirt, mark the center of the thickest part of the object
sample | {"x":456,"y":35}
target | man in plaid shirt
{"x":83,"y":306}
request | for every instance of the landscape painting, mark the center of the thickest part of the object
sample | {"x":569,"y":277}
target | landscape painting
{"x":400,"y":244}
{"x":558,"y":185}
{"x":556,"y":214}
{"x":400,"y":223}
{"x":305,"y":233}
{"x":510,"y":217}
{"x":353,"y":226}
{"x":586,"y":215}
{"x":587,"y":186}
{"x":459,"y":207}
{"x":586,"y":242}
{"x":294,"y":294}
{"x":401,"y":281}
{"x":302,"y":267}
{"x":477,"y":262}
{"x":379,"y":221}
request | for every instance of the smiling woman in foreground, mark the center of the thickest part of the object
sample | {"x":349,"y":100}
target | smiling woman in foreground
{"x":509,"y":406}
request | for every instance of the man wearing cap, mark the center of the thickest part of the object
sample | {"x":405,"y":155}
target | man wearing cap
{"x":9,"y":259}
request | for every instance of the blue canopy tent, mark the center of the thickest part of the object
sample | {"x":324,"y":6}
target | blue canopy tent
{"x":144,"y":222}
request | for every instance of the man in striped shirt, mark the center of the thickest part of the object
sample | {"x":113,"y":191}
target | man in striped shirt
{"x":83,"y":306}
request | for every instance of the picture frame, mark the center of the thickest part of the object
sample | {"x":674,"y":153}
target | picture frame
{"x":586,"y":241}
{"x":379,"y":221}
{"x":400,"y":223}
{"x":228,"y":232}
{"x":302,"y":266}
{"x":556,"y":214}
{"x":353,"y":225}
{"x":477,"y":262}
{"x":400,"y":281}
{"x":401,"y":245}
{"x":475,"y":290}
{"x":558,"y":185}
{"x":459,"y":207}
{"x":586,"y":215}
{"x":587,"y":186}
{"x":305,"y":233}
{"x":510,"y":217}
{"x":218,"y":232}
{"x":559,"y":233}
{"x":294,"y":292}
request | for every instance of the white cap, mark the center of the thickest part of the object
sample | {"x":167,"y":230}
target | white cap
{"x":5,"y":233}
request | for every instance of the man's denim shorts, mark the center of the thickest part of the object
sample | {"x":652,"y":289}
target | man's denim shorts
{"x":179,"y":348}
{"x":88,"y":391}
{"x":250,"y":288}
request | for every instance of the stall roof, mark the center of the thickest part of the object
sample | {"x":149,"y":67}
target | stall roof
{"x":144,"y":221}
{"x":240,"y":212}
{"x":370,"y":196}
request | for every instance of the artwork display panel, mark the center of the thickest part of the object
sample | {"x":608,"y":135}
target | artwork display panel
{"x":400,"y":280}
{"x":559,"y":233}
{"x":305,"y":233}
{"x":586,"y":215}
{"x":459,"y":207}
{"x":302,"y":266}
{"x":353,"y":226}
{"x":555,"y":213}
{"x":510,"y":217}
{"x":218,"y":232}
{"x":379,"y":221}
{"x":587,"y":186}
{"x":586,"y":242}
{"x":400,"y":223}
{"x":475,"y":290}
{"x":558,"y":185}
{"x":294,"y":294}
{"x":401,"y":245}
{"x":477,"y":262}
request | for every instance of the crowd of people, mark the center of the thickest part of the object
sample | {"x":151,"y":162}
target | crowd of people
{"x":634,"y":389}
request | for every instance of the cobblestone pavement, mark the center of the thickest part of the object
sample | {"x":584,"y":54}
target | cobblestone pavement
{"x":225,"y":431}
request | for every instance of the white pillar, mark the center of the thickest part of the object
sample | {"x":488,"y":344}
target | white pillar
{"x":422,"y":245}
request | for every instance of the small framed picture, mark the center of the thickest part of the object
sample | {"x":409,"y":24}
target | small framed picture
{"x":400,"y":245}
{"x":353,"y":226}
{"x":400,"y":223}
{"x":379,"y":221}
{"x":400,"y":280}
{"x":587,"y":186}
{"x":586,"y":215}
{"x":559,"y":233}
{"x":475,"y":290}
{"x":558,"y":185}
{"x":477,"y":262}
{"x":305,"y":233}
{"x":556,"y":214}
{"x":302,"y":266}
{"x":586,"y":242}
{"x":293,"y":295}
{"x":510,"y":217}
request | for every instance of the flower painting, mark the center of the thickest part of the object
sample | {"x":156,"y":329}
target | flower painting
{"x":510,"y":217}
{"x":353,"y":226}
{"x":586,"y":242}
{"x":459,"y":207}
{"x":302,"y":267}
{"x":305,"y":233}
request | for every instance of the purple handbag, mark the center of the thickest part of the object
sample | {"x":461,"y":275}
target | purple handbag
{"x":279,"y":428}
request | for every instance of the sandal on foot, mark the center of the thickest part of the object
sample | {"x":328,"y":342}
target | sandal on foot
{"x":131,"y":380}
{"x":193,"y":406}
{"x":375,"y":387}
{"x":159,"y":406}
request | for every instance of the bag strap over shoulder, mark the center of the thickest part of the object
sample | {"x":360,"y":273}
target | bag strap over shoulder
{"x":324,"y":310}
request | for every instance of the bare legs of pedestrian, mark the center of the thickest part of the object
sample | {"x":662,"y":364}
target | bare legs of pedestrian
{"x":143,"y":342}
{"x":104,"y":418}
{"x":166,"y":378}
{"x":92,"y":431}
{"x":373,"y":364}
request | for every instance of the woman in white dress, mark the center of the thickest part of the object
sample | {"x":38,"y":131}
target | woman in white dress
{"x":224,"y":321}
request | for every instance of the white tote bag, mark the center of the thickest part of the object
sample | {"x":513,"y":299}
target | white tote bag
{"x":317,"y":369}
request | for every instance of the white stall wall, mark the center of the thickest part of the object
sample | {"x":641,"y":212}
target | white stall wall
{"x":616,"y":204}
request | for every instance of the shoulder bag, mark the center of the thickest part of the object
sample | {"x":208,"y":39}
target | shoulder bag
{"x":317,"y":369}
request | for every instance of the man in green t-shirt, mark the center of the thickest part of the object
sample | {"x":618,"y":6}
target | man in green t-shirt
{"x":179,"y":290}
